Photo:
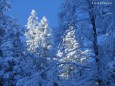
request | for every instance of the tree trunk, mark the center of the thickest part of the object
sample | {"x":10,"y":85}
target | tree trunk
{"x":95,"y":44}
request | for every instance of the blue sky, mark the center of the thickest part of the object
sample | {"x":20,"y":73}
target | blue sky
{"x":21,"y":10}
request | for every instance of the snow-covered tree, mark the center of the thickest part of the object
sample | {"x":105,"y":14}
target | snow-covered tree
{"x":45,"y":35}
{"x":12,"y":50}
{"x":38,"y":35}
{"x":11,"y":47}
{"x":39,"y":58}
{"x":70,"y":53}
{"x":32,"y":25}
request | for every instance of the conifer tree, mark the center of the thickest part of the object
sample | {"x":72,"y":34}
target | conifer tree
{"x":70,"y":53}
{"x":10,"y":47}
{"x":38,"y":35}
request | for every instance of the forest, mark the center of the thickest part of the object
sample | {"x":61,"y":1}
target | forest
{"x":79,"y":51}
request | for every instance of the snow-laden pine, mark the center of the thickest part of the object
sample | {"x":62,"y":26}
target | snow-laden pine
{"x":38,"y":35}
